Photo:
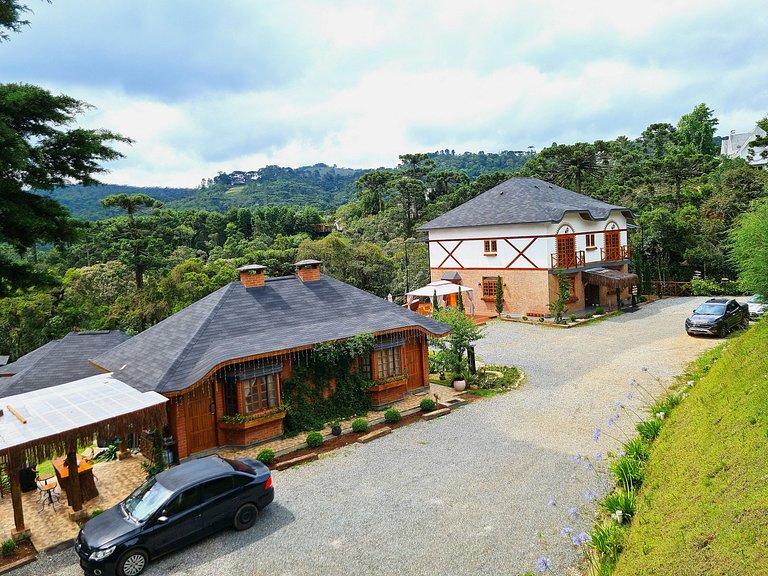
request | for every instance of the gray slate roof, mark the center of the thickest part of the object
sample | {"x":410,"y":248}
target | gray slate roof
{"x":522,"y":201}
{"x":235,"y":322}
{"x":58,"y":361}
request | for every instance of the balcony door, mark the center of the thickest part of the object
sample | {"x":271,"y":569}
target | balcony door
{"x":612,"y":245}
{"x":566,"y":251}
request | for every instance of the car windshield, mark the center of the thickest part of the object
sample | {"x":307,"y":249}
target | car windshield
{"x":710,"y":309}
{"x":146,"y":499}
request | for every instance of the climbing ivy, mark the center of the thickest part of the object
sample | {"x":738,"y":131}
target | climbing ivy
{"x":310,"y":397}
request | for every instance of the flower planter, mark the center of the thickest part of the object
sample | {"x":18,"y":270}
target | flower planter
{"x":252,"y":431}
{"x":459,"y":385}
{"x":387,"y":393}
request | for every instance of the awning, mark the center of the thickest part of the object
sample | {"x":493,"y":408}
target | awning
{"x":441,"y":288}
{"x":610,"y":278}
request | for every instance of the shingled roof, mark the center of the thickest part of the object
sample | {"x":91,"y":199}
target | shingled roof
{"x":235,"y":322}
{"x":523,"y":201}
{"x":58,"y":361}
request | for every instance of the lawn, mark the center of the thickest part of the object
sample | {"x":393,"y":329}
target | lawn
{"x":703,"y":508}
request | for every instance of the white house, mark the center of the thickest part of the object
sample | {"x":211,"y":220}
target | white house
{"x":525,"y":230}
{"x":738,"y":146}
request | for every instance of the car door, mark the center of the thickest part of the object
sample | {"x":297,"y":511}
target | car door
{"x":179,"y":523}
{"x":732,"y":314}
{"x":219,"y":503}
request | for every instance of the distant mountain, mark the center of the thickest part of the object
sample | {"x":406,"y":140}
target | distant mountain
{"x":321,"y":186}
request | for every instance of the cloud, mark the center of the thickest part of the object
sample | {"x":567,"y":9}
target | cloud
{"x":204,"y":87}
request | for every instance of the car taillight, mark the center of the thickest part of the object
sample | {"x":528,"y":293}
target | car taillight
{"x":268,"y":484}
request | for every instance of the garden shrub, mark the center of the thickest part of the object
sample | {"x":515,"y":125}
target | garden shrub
{"x":637,"y":449}
{"x":643,"y":298}
{"x":622,"y":500}
{"x":599,"y":310}
{"x":360,"y":425}
{"x":541,"y":319}
{"x":525,"y":317}
{"x":649,"y":429}
{"x":9,"y":548}
{"x":427,"y":405}
{"x":628,"y":472}
{"x":266,"y":456}
{"x":314,"y":439}
{"x":392,"y":416}
{"x":572,"y":317}
{"x":588,"y":315}
{"x":607,"y":539}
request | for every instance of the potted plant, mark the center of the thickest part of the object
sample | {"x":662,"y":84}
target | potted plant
{"x":459,"y":382}
{"x":335,"y":428}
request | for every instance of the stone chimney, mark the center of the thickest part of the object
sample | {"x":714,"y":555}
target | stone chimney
{"x":308,"y":270}
{"x":252,"y":276}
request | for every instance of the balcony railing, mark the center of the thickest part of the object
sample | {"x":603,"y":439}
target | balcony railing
{"x":614,"y":254}
{"x":567,"y":259}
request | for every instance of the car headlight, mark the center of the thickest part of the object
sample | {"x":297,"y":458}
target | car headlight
{"x":97,"y":555}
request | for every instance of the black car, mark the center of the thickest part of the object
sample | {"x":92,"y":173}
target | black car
{"x":717,"y":316}
{"x":172,"y":510}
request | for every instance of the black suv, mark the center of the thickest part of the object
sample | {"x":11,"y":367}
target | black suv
{"x":717,"y":316}
{"x":171,"y":510}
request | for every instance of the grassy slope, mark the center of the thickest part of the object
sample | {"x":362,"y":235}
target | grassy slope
{"x":704,"y":506}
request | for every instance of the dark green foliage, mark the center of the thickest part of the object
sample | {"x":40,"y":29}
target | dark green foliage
{"x":560,"y":304}
{"x":110,"y":452}
{"x":392,"y":415}
{"x":460,"y":301}
{"x":9,"y":547}
{"x":628,"y":472}
{"x":360,"y":425}
{"x":626,"y":501}
{"x":305,"y":391}
{"x":314,"y":439}
{"x":427,"y":405}
{"x":156,"y":463}
{"x":266,"y":456}
{"x":608,"y":540}
{"x":599,"y":310}
{"x":572,"y":317}
{"x":665,"y":405}
{"x":636,"y":449}
{"x":499,"y":295}
{"x":435,"y":303}
{"x":649,"y":429}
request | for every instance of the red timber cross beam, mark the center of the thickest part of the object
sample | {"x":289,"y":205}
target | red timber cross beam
{"x":521,"y":252}
{"x":450,"y":253}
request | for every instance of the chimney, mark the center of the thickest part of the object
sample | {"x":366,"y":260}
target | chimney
{"x":308,"y":270}
{"x":252,"y":276}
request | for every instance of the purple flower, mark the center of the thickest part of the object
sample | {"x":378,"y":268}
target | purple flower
{"x":566,"y":530}
{"x":596,"y":435}
{"x":633,"y":383}
{"x":581,"y":538}
{"x":618,"y":405}
{"x":544,"y":564}
{"x":598,"y":456}
{"x":587,"y":466}
{"x":643,"y":369}
{"x":631,"y":395}
{"x":577,"y":457}
{"x":551,"y":503}
{"x":573,"y":513}
{"x":590,"y":494}
{"x":612,"y":420}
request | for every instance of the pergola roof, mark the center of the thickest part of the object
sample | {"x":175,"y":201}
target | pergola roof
{"x":52,"y":420}
{"x":441,"y":288}
{"x":610,"y":278}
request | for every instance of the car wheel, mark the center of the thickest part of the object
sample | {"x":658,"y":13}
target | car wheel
{"x":745,"y":323}
{"x":722,"y":332}
{"x":132,"y":562}
{"x":245,"y":516}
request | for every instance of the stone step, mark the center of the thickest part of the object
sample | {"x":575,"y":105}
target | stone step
{"x":375,"y":434}
{"x":296,"y":461}
{"x":436,"y":414}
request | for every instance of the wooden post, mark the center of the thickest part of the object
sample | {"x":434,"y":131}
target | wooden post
{"x":14,"y":465}
{"x":74,"y":495}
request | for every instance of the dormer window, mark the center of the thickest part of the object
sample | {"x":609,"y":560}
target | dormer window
{"x":489,"y":247}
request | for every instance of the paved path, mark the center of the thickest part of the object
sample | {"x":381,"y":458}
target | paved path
{"x":483,"y":491}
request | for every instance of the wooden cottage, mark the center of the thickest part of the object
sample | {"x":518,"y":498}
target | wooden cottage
{"x":222,"y":360}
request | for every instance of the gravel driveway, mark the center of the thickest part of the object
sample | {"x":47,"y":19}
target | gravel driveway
{"x":483,"y":491}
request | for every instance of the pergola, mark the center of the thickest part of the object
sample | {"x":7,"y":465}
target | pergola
{"x":38,"y":425}
{"x":441,"y":288}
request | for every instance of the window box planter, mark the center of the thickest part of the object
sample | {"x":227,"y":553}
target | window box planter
{"x":253,"y":431}
{"x":387,"y":392}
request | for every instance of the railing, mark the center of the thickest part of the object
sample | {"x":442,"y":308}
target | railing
{"x":614,"y":254}
{"x":672,"y":288}
{"x":567,"y":259}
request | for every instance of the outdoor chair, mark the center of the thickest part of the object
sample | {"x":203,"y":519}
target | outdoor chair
{"x":48,"y":492}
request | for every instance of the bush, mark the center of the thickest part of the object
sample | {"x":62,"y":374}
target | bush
{"x":541,"y":318}
{"x":607,"y":539}
{"x":599,"y":310}
{"x":266,"y":456}
{"x":360,"y":425}
{"x":624,"y":501}
{"x":628,"y":472}
{"x":314,"y":439}
{"x":588,"y":315}
{"x":9,"y":548}
{"x":643,"y":298}
{"x":649,"y":429}
{"x":96,"y":512}
{"x":392,"y":415}
{"x":637,"y":449}
{"x":572,"y":317}
{"x":525,"y":317}
{"x":427,"y":405}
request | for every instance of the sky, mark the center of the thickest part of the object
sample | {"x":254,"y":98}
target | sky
{"x":203,"y":86}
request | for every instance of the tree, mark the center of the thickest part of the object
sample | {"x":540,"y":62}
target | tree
{"x":499,"y":295}
{"x":136,"y":241}
{"x":11,"y":18}
{"x":698,"y":130}
{"x":558,"y":307}
{"x":749,"y":249}
{"x":566,"y":165}
{"x":39,"y":152}
{"x":464,"y":335}
{"x":759,"y":141}
{"x":372,"y":188}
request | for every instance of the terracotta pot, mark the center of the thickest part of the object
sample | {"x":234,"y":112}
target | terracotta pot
{"x":459,"y":385}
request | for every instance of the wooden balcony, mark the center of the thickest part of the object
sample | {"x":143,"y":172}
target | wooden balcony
{"x":564,"y":260}
{"x":614,"y":254}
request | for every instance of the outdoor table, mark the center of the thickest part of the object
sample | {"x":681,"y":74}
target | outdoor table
{"x":84,"y":470}
{"x":47,"y":487}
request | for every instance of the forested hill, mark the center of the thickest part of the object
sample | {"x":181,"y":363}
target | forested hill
{"x":319,"y":186}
